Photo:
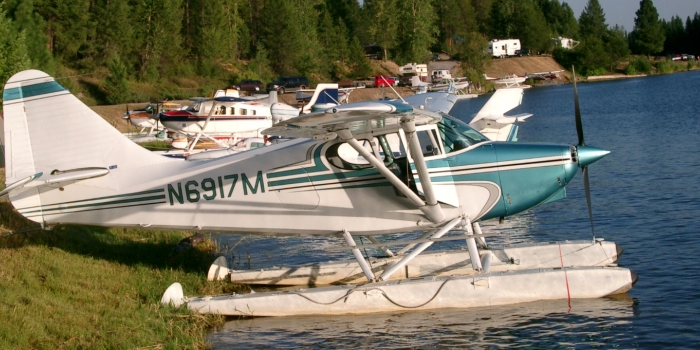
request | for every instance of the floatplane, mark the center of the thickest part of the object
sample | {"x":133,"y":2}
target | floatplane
{"x":363,"y":169}
{"x":507,"y":81}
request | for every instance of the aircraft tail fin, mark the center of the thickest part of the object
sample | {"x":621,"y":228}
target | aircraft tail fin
{"x":502,"y":101}
{"x":50,"y":133}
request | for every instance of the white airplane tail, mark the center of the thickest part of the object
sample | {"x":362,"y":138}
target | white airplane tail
{"x":52,"y":137}
{"x":493,"y":122}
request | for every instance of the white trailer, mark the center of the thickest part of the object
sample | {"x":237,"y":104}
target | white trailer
{"x":504,"y":47}
{"x":565,"y":42}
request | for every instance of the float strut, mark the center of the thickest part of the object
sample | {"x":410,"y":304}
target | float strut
{"x":471,"y":246}
{"x":393,"y":268}
{"x":408,"y":247}
{"x":358,"y":256}
{"x":383,"y":248}
{"x":481,"y":240}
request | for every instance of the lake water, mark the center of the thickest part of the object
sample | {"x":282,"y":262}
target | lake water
{"x":645,"y":198}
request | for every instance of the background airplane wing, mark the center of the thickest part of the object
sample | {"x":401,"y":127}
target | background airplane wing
{"x":361,"y":117}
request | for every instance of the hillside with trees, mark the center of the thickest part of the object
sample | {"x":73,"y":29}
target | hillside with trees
{"x":123,"y":51}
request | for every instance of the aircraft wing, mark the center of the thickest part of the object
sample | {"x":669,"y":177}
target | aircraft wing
{"x":502,"y":101}
{"x":361,"y":117}
{"x":433,"y":101}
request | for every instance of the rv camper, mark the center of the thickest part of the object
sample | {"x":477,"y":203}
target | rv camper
{"x":564,"y":42}
{"x":504,"y":48}
{"x":410,"y":70}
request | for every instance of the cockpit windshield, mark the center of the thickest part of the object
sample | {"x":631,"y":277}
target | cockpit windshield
{"x":194,"y":107}
{"x":457,"y":135}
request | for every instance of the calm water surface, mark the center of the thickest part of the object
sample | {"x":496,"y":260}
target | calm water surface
{"x":645,"y":198}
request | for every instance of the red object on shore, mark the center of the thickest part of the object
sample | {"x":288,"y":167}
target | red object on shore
{"x":383,"y":80}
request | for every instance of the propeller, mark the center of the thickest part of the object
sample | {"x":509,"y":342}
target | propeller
{"x":585,"y":154}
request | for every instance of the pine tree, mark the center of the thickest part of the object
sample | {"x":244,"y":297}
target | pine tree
{"x":456,"y":18}
{"x":115,"y":36}
{"x":417,"y":30}
{"x":116,"y":85}
{"x":483,"y":11}
{"x":648,"y":30}
{"x":159,"y":37}
{"x":616,"y":46}
{"x":68,"y":24}
{"x":33,"y":26}
{"x":383,"y":24}
{"x":13,"y":50}
{"x":592,"y":21}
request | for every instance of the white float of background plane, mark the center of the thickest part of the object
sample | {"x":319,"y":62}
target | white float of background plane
{"x":362,"y":169}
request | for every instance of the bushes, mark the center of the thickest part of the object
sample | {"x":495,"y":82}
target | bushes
{"x":665,"y":67}
{"x":639,"y":65}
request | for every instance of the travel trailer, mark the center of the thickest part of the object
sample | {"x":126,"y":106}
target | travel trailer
{"x":564,"y":42}
{"x":504,"y":48}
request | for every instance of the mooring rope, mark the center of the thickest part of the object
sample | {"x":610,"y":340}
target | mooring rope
{"x":566,"y":278}
{"x":20,"y":232}
{"x":349,"y":292}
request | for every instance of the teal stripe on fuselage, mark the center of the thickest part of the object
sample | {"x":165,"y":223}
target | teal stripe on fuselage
{"x":31,"y":90}
{"x":508,"y":151}
{"x":318,"y":166}
{"x":318,"y":178}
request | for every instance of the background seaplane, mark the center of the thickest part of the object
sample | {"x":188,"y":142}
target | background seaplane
{"x":543,"y":76}
{"x":364,"y":169}
{"x":507,"y":81}
{"x":148,"y":116}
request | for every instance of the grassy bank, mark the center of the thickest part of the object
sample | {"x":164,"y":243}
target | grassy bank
{"x":93,"y":287}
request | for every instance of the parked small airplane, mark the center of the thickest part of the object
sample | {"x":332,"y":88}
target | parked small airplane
{"x":147,"y":117}
{"x":366,"y":169}
{"x":507,"y":81}
{"x":543,"y":75}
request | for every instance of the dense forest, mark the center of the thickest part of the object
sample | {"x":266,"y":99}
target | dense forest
{"x":126,"y":47}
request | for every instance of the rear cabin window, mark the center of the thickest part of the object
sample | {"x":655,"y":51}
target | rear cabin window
{"x":344,"y":156}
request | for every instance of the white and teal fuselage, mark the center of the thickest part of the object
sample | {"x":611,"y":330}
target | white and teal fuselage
{"x":298,"y":187}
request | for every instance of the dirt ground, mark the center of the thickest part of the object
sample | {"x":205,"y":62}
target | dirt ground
{"x":522,"y":65}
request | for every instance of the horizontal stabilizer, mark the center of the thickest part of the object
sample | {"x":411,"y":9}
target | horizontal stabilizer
{"x":18,"y":186}
{"x":513,"y":118}
{"x":55,"y":180}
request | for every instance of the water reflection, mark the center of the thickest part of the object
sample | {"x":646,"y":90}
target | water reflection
{"x":590,"y":323}
{"x":260,"y":252}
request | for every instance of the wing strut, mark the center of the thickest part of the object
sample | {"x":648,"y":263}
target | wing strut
{"x":432,"y":210}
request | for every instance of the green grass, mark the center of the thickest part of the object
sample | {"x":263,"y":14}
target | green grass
{"x":157,"y":145}
{"x":94,"y":287}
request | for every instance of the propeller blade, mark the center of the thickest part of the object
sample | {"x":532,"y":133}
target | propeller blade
{"x":579,"y":124}
{"x":586,"y":189}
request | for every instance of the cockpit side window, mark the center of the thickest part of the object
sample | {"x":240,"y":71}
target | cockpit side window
{"x":457,"y":135}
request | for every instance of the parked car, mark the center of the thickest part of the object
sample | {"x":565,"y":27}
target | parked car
{"x":523,"y":52}
{"x":284,"y":84}
{"x":676,"y":58}
{"x":686,"y":57}
{"x":249,"y":85}
{"x":383,"y":80}
{"x":396,"y":81}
